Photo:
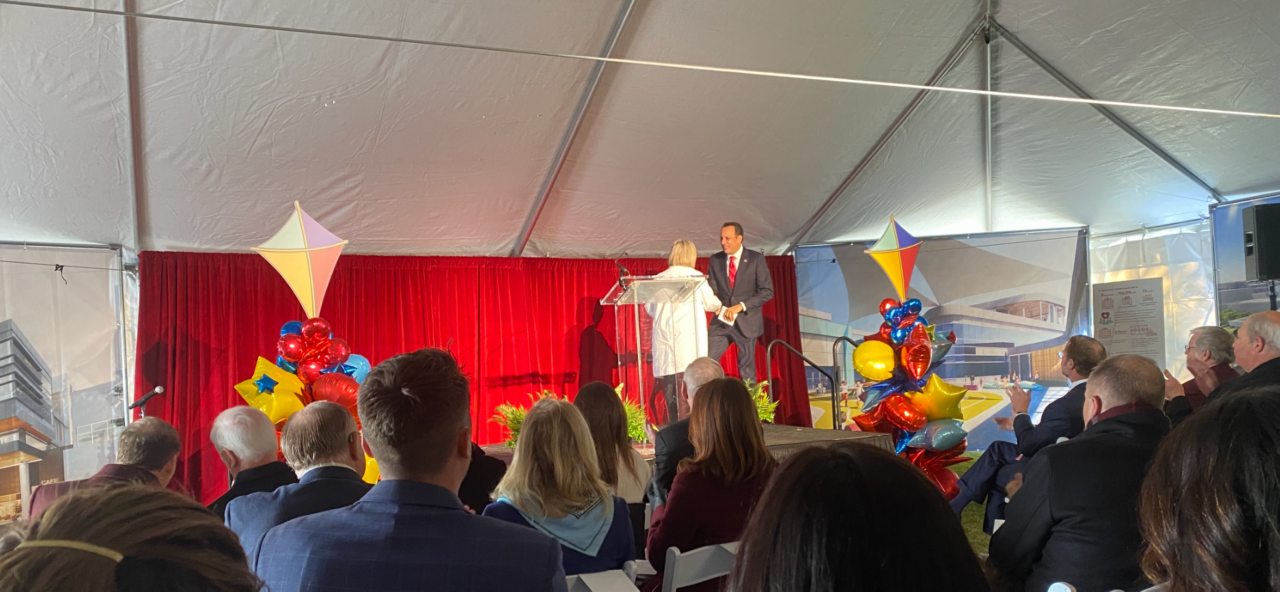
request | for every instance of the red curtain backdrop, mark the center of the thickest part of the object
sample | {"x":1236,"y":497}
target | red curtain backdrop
{"x":517,"y":325}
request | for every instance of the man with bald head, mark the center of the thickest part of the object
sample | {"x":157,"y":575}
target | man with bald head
{"x":1257,"y":352}
{"x":322,"y":444}
{"x":1075,"y":519}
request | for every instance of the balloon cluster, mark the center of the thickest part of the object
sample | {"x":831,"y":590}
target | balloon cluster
{"x":322,"y":362}
{"x":920,"y":410}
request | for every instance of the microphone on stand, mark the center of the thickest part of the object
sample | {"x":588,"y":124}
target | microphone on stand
{"x":623,"y":273}
{"x":143,"y":401}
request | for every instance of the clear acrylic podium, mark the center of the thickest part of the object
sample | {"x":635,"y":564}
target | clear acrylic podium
{"x":656,"y":320}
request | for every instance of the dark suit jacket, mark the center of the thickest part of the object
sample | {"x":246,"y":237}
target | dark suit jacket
{"x":406,"y":535}
{"x":1075,"y":519}
{"x":1266,"y":374}
{"x":265,"y":478}
{"x":1063,"y":418}
{"x":320,"y":489}
{"x":482,"y":478}
{"x":670,"y":446}
{"x":45,"y":495}
{"x":752,"y":286}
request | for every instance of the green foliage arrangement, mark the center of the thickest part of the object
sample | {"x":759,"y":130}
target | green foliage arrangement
{"x":766,"y":408}
{"x":635,"y":418}
{"x":512,"y":417}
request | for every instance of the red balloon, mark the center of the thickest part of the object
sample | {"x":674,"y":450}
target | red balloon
{"x":907,"y":320}
{"x":946,"y":480}
{"x":873,"y":421}
{"x":291,"y":347}
{"x":900,"y":412}
{"x":917,"y":353}
{"x":887,"y":305}
{"x":309,"y":370}
{"x":315,"y":329}
{"x":338,"y":352}
{"x":338,"y":388}
{"x":885,"y":330}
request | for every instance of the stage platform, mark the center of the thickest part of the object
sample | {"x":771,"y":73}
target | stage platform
{"x":783,"y":441}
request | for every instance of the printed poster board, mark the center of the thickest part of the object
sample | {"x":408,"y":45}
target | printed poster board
{"x":1128,"y":317}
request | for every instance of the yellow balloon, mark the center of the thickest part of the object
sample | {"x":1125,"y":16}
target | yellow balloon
{"x":283,"y":398}
{"x":371,"y":472}
{"x":874,"y":360}
{"x":939,"y":399}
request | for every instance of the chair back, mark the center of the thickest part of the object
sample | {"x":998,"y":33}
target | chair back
{"x":698,"y":565}
{"x":617,"y":580}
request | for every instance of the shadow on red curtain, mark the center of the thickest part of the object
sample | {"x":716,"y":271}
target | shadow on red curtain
{"x":517,"y":326}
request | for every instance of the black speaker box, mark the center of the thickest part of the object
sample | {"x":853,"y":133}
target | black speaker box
{"x":1262,"y":242}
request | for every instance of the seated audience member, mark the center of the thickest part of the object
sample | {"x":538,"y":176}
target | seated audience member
{"x":715,"y":489}
{"x":811,"y":529}
{"x":147,"y":454}
{"x":1075,"y":519}
{"x":245,"y":440}
{"x":1211,"y":502}
{"x":127,"y":538}
{"x":322,"y":445}
{"x":1209,"y":359}
{"x":622,"y":467}
{"x":554,"y":487}
{"x":411,"y":532}
{"x":1257,"y":351}
{"x":671,"y":444}
{"x":483,"y":475}
{"x":987,"y":478}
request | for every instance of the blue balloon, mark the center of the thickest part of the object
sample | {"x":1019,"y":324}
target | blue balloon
{"x":913,"y":306}
{"x":291,"y":328}
{"x":921,"y":321}
{"x":900,"y":335}
{"x":286,"y":365}
{"x":940,"y":434}
{"x":900,"y":439}
{"x":359,"y":367}
{"x":894,"y":315}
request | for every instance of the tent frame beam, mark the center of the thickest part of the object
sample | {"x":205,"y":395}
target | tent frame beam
{"x":1106,"y":112}
{"x":948,"y":63}
{"x":988,"y":159}
{"x":136,"y":162}
{"x":571,"y":132}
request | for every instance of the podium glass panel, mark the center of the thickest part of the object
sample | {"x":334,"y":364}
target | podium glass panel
{"x":656,"y":323}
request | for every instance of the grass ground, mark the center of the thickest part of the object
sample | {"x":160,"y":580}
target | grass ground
{"x":971,"y":518}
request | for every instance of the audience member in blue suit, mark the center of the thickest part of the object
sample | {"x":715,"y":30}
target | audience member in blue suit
{"x":322,"y":443}
{"x":411,"y":532}
{"x":554,"y":487}
{"x":1063,"y":418}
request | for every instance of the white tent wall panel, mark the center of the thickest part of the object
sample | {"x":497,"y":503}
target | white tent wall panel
{"x":930,"y":175}
{"x":1224,"y":55}
{"x":668,"y":154}
{"x":65,"y":173}
{"x":1106,"y":180}
{"x":399,"y":148}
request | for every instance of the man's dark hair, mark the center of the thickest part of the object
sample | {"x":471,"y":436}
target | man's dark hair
{"x":737,"y":228}
{"x":148,"y":443}
{"x":1086,"y":352}
{"x":412,"y":407}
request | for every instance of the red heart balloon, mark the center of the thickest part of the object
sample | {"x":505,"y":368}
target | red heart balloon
{"x":917,"y":353}
{"x":338,"y":388}
{"x":873,"y":421}
{"x":291,"y":347}
{"x":907,"y":320}
{"x":901,"y":413}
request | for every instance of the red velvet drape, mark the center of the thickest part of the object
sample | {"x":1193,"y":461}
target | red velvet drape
{"x":517,"y":325}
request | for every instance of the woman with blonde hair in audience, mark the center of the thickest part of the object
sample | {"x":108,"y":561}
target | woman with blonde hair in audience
{"x":714,"y":491}
{"x":127,"y":538}
{"x":554,"y":486}
{"x":1210,"y":504}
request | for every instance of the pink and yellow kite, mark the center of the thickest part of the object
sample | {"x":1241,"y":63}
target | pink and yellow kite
{"x":896,"y":253}
{"x":304,"y":254}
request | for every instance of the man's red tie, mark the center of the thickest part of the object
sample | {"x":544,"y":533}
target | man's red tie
{"x":733,"y":270}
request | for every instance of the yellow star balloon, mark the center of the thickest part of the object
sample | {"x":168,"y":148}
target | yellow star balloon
{"x":304,"y":253}
{"x":272,"y":390}
{"x":939,"y":399}
{"x":371,"y":472}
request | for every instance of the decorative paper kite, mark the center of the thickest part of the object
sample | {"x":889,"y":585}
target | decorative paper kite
{"x":896,"y":253}
{"x":304,"y":254}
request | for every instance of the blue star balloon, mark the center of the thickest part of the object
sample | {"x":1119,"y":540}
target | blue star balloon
{"x":266,"y":384}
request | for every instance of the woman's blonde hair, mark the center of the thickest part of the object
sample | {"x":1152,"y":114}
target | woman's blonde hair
{"x":683,"y":253}
{"x":163,"y":541}
{"x":554,"y":472}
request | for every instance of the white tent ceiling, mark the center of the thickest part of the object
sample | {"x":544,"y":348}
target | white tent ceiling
{"x":420,"y":149}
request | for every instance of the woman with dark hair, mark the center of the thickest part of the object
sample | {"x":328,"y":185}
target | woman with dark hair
{"x":853,"y":517}
{"x":1210,"y":505}
{"x":622,"y":468}
{"x":714,"y":491}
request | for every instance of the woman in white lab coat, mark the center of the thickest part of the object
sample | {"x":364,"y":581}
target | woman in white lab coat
{"x":679,"y":330}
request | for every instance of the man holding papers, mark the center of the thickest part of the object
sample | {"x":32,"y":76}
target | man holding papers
{"x":740,"y":279}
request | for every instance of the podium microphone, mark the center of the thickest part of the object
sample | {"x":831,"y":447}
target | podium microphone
{"x":143,"y":401}
{"x":623,"y":273}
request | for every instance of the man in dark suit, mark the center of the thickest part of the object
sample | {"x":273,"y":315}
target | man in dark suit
{"x":1063,"y":418}
{"x":1076,"y":518}
{"x":740,"y":279}
{"x":671,"y":444}
{"x":246,"y":442}
{"x":1257,"y":351}
{"x":411,"y":532}
{"x":482,"y":478}
{"x":148,"y":454}
{"x":323,"y":444}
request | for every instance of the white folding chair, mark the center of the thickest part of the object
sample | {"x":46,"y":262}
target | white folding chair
{"x":617,"y":580}
{"x":1061,"y":587}
{"x":698,"y":565}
